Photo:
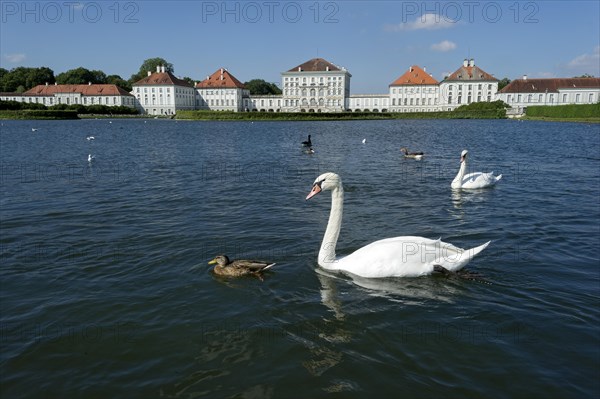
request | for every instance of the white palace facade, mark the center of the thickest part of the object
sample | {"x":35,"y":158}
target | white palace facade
{"x":521,"y":93}
{"x":68,"y":94}
{"x":318,"y":85}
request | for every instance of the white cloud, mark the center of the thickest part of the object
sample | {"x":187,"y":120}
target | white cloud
{"x":425,"y":21}
{"x":14,"y":58}
{"x":589,"y":62}
{"x":445,"y":45}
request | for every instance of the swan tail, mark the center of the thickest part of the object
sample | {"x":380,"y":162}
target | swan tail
{"x":474,"y":251}
{"x":460,"y":258}
{"x":498,"y":177}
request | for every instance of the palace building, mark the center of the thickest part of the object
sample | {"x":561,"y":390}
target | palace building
{"x":315,"y":86}
{"x":161,"y":93}
{"x":468,"y":84}
{"x":318,"y":85}
{"x":221,"y":91}
{"x":415,"y":91}
{"x":90,"y":94}
{"x":521,"y":93}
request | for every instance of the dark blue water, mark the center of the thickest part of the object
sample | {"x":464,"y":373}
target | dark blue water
{"x":105,"y":289}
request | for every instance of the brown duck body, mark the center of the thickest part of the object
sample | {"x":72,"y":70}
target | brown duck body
{"x":237,"y":268}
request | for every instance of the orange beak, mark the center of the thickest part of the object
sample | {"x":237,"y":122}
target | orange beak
{"x":316,"y":189}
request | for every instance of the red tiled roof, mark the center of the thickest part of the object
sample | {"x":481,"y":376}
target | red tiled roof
{"x":221,"y":79}
{"x":86,"y":90}
{"x":162,"y":78}
{"x":315,"y":65}
{"x":550,"y":85}
{"x":415,"y":76}
{"x":470,"y":73}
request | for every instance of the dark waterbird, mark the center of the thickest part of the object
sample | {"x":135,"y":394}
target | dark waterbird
{"x":413,"y":155}
{"x":307,"y":143}
{"x":237,"y":268}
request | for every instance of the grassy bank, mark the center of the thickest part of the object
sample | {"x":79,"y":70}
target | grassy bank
{"x":570,"y":113}
{"x":321,"y":116}
{"x":38,"y":114}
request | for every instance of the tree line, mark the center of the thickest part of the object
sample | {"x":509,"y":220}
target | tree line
{"x":21,"y":79}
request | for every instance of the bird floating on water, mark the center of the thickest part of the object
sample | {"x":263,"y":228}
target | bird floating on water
{"x":364,"y":141}
{"x":405,"y":256}
{"x":91,"y":158}
{"x":33,"y":129}
{"x":412,"y":155}
{"x":307,"y":143}
{"x":89,"y":138}
{"x":472,"y":180}
{"x":226,"y":267}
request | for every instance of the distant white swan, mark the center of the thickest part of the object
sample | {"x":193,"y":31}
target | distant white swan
{"x":406,"y":256}
{"x":90,"y":138}
{"x":364,"y":141}
{"x":33,"y":129}
{"x":91,"y":157}
{"x":472,"y":180}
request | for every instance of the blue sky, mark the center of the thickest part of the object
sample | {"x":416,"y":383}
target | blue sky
{"x":375,"y":40}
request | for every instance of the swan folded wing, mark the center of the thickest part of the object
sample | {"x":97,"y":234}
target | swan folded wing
{"x":479,"y":180}
{"x":406,"y":256}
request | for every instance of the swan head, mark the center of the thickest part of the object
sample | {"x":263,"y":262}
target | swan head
{"x":327,"y":181}
{"x":463,"y":155}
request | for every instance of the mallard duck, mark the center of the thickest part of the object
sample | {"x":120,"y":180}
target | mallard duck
{"x":307,"y":143}
{"x":236,"y":268}
{"x":413,"y":155}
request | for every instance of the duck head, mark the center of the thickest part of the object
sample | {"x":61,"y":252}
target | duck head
{"x":220,"y":260}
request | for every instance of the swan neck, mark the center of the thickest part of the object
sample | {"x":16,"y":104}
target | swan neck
{"x":457,"y":182}
{"x":327,"y":252}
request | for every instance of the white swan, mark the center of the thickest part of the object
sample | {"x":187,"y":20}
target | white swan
{"x":91,"y":158}
{"x":392,"y":257}
{"x":472,"y":180}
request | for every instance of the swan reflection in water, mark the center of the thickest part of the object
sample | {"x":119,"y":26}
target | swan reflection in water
{"x":409,"y":291}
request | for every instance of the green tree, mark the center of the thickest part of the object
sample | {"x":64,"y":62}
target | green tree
{"x":503,"y":83}
{"x":585,"y":75}
{"x":261,"y":87}
{"x":81,"y":75}
{"x":22,"y":78}
{"x":150,"y":65}
{"x":189,"y":80}
{"x":119,"y":81}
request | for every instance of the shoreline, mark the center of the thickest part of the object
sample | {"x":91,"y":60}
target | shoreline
{"x":300,"y":117}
